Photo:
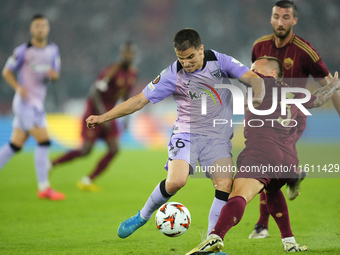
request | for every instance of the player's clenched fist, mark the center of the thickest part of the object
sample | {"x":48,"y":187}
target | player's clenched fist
{"x":93,"y":120}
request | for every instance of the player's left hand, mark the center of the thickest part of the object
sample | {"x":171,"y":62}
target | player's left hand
{"x":93,"y":120}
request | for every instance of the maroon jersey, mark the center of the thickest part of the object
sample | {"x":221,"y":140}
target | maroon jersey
{"x":298,"y":58}
{"x":119,"y":85}
{"x":271,"y":129}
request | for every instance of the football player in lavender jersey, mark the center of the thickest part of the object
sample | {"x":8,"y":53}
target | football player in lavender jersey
{"x":300,"y":60}
{"x":35,"y":63}
{"x":195,"y":72}
{"x":269,"y":145}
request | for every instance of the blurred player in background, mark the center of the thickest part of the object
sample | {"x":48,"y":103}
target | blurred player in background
{"x":36,"y":63}
{"x":196,"y":72}
{"x":113,"y":83}
{"x":269,"y":145}
{"x":299,"y":60}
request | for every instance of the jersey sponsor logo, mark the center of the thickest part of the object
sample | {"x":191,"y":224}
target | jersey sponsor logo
{"x":236,"y":62}
{"x":156,"y":80}
{"x":210,"y":94}
{"x":151,"y":86}
{"x":194,"y":95}
{"x":39,"y":67}
{"x":217,"y":73}
{"x":288,"y":63}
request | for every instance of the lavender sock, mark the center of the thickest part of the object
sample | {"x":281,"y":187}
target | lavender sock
{"x":158,"y":197}
{"x":214,"y":213}
{"x":41,"y":166}
{"x":6,"y":152}
{"x":220,"y":200}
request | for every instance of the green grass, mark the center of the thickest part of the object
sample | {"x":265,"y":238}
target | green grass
{"x":86,"y":223}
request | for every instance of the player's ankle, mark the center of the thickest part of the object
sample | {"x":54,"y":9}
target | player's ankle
{"x":290,"y":239}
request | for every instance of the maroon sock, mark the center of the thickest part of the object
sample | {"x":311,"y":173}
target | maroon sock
{"x":264,"y":214}
{"x":277,"y":207}
{"x":231,"y":214}
{"x":102,"y":165}
{"x":67,"y":157}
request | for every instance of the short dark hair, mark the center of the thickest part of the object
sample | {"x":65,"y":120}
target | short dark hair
{"x":287,"y":4}
{"x":187,"y":38}
{"x":279,"y":66}
{"x":37,"y":16}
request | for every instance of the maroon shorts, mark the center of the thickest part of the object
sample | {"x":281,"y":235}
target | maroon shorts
{"x":266,"y":162}
{"x":99,"y":131}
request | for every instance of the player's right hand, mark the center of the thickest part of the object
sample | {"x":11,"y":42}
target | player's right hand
{"x":93,"y":120}
{"x":22,"y":91}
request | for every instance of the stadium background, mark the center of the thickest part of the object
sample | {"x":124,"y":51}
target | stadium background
{"x":89,"y":34}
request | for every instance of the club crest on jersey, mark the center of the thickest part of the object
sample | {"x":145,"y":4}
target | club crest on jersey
{"x":216,"y":74}
{"x":288,"y":63}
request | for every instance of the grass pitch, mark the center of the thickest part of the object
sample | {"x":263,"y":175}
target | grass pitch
{"x":86,"y":223}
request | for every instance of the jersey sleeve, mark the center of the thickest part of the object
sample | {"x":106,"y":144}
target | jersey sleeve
{"x":15,"y":61}
{"x":310,"y":103}
{"x":317,"y":69}
{"x":163,"y":85}
{"x":232,"y":67}
{"x":314,"y":64}
{"x":56,"y":60}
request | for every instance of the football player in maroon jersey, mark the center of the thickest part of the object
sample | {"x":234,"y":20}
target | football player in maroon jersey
{"x":299,"y":60}
{"x":269,"y":146}
{"x":113,"y":83}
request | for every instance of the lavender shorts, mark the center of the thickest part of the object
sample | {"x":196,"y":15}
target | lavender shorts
{"x":27,"y":117}
{"x":193,"y":147}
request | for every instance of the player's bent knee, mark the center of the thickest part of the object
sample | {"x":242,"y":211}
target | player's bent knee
{"x":223,"y":184}
{"x":14,"y":147}
{"x":174,"y":186}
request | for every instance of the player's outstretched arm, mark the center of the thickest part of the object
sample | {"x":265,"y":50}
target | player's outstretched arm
{"x":130,"y":106}
{"x":325,"y":93}
{"x":257,"y":83}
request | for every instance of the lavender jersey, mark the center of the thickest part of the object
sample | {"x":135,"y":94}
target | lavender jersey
{"x":188,"y":88}
{"x":32,"y":64}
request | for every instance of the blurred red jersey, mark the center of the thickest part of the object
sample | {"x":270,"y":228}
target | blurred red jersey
{"x":298,"y":57}
{"x":120,"y":85}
